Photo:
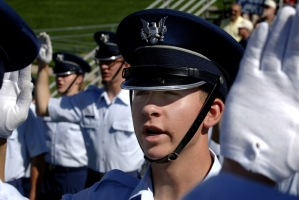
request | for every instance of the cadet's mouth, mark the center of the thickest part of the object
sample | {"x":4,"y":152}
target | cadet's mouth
{"x":152,"y":132}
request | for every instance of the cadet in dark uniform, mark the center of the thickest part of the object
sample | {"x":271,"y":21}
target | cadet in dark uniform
{"x":182,"y":67}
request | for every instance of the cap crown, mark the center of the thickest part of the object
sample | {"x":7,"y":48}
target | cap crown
{"x":18,"y":43}
{"x":108,"y":49}
{"x":68,"y":63}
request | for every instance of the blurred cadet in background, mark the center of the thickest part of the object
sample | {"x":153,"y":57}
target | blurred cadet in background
{"x":259,"y":129}
{"x":245,"y":29}
{"x":104,"y":114}
{"x":66,"y":162}
{"x":269,"y":13}
{"x":18,"y":49}
{"x":178,"y":81}
{"x":230,"y":25}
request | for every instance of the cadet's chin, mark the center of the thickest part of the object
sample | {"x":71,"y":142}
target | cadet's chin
{"x":155,"y":153}
{"x":104,"y":82}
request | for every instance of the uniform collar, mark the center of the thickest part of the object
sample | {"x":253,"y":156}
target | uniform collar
{"x":144,"y":190}
{"x":123,"y":96}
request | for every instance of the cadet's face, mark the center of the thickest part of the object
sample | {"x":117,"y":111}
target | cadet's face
{"x":63,"y":82}
{"x":110,"y":68}
{"x":267,"y":11}
{"x":161,"y":119}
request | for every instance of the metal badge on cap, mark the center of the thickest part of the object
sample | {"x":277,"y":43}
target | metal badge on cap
{"x":60,"y":57}
{"x":104,"y":38}
{"x":153,"y":32}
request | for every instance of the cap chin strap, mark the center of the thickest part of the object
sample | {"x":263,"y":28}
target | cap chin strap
{"x":193,"y":129}
{"x":119,"y":69}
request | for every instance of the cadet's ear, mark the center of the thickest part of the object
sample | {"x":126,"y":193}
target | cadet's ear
{"x":215,"y":113}
{"x":126,"y":65}
{"x":79,"y":79}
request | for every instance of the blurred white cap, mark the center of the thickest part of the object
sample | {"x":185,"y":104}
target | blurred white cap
{"x":245,"y":23}
{"x":270,"y":3}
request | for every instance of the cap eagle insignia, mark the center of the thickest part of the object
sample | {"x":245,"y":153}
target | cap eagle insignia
{"x":152,"y":33}
{"x":104,"y":38}
{"x":60,"y":57}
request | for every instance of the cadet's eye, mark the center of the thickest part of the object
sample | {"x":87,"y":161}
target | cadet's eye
{"x":138,"y":93}
{"x":171,"y":93}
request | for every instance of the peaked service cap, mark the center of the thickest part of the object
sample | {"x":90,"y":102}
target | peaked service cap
{"x":68,"y":63}
{"x":18,"y":43}
{"x":108,"y":49}
{"x":168,"y":49}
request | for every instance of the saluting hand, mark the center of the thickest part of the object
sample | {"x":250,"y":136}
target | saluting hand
{"x":15,"y":99}
{"x":262,"y":108}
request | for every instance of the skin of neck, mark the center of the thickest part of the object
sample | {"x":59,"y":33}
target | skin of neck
{"x":112,"y":88}
{"x":72,"y":91}
{"x":234,"y":167}
{"x":174,"y":179}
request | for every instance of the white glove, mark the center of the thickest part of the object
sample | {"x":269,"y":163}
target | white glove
{"x":260,"y":125}
{"x":45,"y":51}
{"x":15,"y":99}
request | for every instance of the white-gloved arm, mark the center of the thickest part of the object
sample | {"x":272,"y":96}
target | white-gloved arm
{"x":260,"y":125}
{"x":42,"y":91}
{"x":45,"y":51}
{"x":15,"y":99}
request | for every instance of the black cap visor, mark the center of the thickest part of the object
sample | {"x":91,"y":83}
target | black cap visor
{"x":165,"y":78}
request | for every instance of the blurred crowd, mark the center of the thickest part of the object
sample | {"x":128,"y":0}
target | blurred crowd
{"x":240,"y":25}
{"x":69,"y":144}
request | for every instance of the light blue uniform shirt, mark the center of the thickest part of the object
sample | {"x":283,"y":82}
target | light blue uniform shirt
{"x":107,"y":128}
{"x":66,"y":144}
{"x":118,"y":185}
{"x":26,"y":142}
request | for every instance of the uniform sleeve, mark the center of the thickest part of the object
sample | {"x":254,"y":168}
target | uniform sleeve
{"x":67,"y":108}
{"x":114,"y":185}
{"x":34,"y":136}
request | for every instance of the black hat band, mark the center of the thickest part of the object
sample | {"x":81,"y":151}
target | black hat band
{"x":168,"y":72}
{"x":107,"y":52}
{"x":175,"y":57}
{"x":65,"y":68}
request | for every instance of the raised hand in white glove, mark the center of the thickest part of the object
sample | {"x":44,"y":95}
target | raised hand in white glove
{"x":45,"y":51}
{"x":260,"y":124}
{"x":15,"y":99}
